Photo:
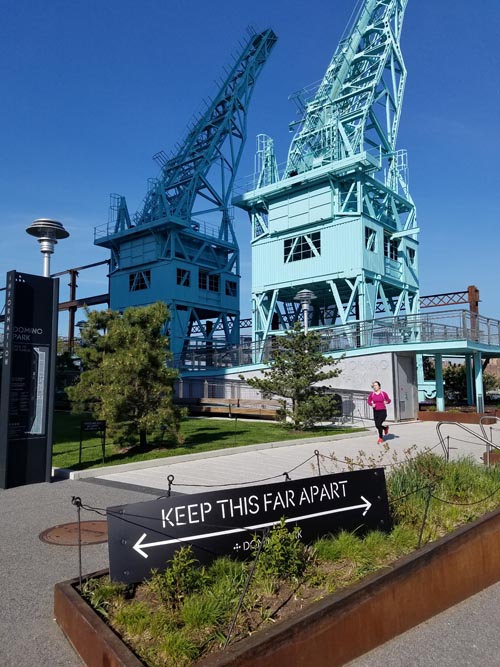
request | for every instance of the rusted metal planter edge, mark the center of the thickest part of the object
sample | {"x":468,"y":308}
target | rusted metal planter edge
{"x":338,"y":628}
{"x":92,"y":639}
{"x":460,"y":417}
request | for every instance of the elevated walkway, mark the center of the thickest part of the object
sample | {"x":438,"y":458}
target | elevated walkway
{"x":449,"y":333}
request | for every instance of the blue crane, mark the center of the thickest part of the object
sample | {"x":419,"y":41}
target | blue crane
{"x":180,"y":246}
{"x":339,"y":223}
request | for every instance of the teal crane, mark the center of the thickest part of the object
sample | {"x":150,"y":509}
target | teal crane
{"x":180,"y":246}
{"x":338,"y":224}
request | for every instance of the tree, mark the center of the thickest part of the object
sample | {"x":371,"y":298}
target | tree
{"x":125,"y":379}
{"x":429,"y":365}
{"x":455,"y":381}
{"x":295,"y":369}
{"x":67,"y":373}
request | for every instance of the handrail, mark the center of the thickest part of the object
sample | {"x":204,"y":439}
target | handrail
{"x":486,"y":417}
{"x":488,"y":447}
{"x":446,"y":449}
{"x":400,"y":329}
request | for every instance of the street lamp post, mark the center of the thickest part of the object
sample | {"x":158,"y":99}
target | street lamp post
{"x":305,"y":297}
{"x":48,"y":232}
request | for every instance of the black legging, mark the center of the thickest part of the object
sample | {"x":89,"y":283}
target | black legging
{"x":379,"y":416}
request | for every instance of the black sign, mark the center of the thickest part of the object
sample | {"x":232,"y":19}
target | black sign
{"x":28,"y":368}
{"x":95,"y":426}
{"x":144,"y":536}
{"x":92,"y":426}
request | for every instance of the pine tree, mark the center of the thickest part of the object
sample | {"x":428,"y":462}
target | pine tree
{"x":125,"y":379}
{"x":296,"y":367}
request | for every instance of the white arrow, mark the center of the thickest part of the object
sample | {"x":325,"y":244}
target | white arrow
{"x":139,"y":546}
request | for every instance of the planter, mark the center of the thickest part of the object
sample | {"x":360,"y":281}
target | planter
{"x":340,"y":627}
{"x":493,"y":458}
{"x":460,"y":417}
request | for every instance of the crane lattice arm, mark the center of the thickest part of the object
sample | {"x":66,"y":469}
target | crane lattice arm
{"x":215,"y":139}
{"x":357,"y":106}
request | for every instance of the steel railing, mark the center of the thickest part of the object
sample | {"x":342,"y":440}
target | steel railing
{"x":446,"y":445}
{"x":449,"y":326}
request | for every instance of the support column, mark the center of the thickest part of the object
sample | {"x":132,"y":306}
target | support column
{"x":73,"y":275}
{"x":438,"y":362}
{"x":478,"y":376}
{"x":420,"y":377}
{"x":469,"y":379}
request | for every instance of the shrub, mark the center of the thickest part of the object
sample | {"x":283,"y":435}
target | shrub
{"x":184,"y":576}
{"x":283,"y":556}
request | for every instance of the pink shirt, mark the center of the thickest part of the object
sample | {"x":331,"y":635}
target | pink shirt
{"x":378,"y":401}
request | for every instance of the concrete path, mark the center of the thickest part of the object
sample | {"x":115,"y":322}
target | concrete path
{"x":29,"y":568}
{"x":268,"y":463}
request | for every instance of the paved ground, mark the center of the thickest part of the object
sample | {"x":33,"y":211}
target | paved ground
{"x":465,"y":635}
{"x":268,"y":463}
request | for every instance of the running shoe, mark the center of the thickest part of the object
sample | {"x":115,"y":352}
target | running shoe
{"x":379,"y":441}
{"x":386,"y":430}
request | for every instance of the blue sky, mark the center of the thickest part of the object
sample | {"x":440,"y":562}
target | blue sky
{"x":91,"y":90}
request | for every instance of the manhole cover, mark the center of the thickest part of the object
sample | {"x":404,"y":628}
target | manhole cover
{"x":91,"y":532}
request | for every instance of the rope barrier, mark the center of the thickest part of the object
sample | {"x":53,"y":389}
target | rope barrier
{"x":467,"y":442}
{"x":287,"y":473}
{"x":407,"y":495}
{"x":364,"y":466}
{"x":136,"y":519}
{"x":246,"y":483}
{"x":476,"y":502}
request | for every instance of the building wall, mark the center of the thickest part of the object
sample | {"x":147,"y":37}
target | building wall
{"x":357,"y":374}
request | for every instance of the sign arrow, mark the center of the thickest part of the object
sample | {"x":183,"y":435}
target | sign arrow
{"x":139,"y":546}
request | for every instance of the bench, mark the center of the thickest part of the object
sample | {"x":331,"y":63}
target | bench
{"x":232,"y":407}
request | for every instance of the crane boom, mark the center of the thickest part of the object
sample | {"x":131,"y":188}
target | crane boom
{"x":186,"y":177}
{"x":357,"y":105}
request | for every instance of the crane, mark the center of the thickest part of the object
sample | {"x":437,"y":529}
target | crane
{"x":339,"y":221}
{"x":180,"y":246}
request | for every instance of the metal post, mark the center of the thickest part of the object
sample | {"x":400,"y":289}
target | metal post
{"x":305,"y":297}
{"x":48,"y":232}
{"x":73,"y":274}
{"x":428,"y":502}
{"x":75,"y":500}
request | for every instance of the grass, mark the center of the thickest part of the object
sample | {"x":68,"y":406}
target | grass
{"x":183,"y":614}
{"x":200,"y":435}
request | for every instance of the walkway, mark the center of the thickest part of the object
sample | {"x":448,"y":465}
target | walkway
{"x":465,"y":635}
{"x":268,"y":463}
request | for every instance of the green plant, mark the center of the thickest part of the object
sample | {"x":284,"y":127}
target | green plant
{"x":283,"y":556}
{"x":101,"y":593}
{"x":180,"y":616}
{"x":402,"y":540}
{"x":226,"y":579}
{"x":344,"y":545}
{"x":203,"y":610}
{"x":297,"y":372}
{"x":362,"y":460}
{"x":176,"y":650}
{"x":133,"y":618}
{"x":182,"y":577}
{"x":409,"y":485}
{"x":125,"y":379}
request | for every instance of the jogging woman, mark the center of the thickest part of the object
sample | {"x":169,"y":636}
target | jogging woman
{"x":378,"y":400}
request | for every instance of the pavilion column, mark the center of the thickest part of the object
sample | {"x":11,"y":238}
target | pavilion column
{"x":478,"y":376}
{"x":469,"y":376}
{"x":438,"y":363}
